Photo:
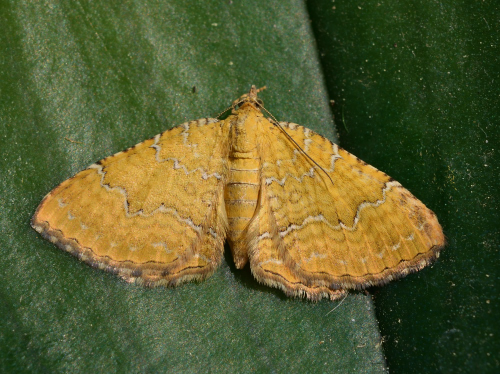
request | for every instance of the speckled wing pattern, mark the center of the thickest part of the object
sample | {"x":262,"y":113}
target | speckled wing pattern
{"x":329,"y":221}
{"x":153,"y":214}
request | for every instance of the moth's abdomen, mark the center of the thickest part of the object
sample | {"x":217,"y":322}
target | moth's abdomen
{"x":241,"y":194}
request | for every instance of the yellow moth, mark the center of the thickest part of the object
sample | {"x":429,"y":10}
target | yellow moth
{"x":309,"y":217}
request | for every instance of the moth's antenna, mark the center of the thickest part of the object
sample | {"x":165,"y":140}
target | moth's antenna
{"x":224,"y":111}
{"x":345,"y":297}
{"x":233,"y":105}
{"x":242,"y":99}
{"x":277,"y":124}
{"x":303,"y":152}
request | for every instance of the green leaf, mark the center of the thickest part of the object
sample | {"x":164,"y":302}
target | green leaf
{"x":83,"y":80}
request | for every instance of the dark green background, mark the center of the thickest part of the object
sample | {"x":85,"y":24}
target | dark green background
{"x":415,"y":90}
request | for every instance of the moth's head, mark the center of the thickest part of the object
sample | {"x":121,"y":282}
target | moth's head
{"x":250,"y":99}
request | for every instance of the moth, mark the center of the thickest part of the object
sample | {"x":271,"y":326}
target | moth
{"x":309,"y":217}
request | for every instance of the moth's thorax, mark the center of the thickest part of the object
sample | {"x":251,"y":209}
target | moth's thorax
{"x":245,"y":126}
{"x":242,"y":189}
